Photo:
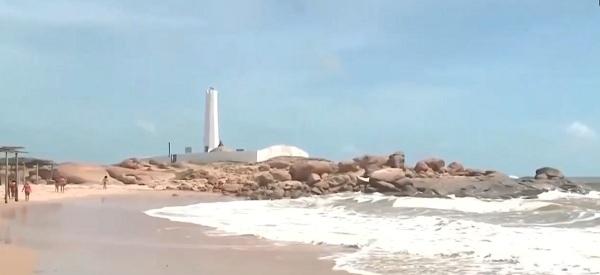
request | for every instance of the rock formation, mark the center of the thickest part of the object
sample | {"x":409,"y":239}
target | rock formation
{"x":298,"y":177}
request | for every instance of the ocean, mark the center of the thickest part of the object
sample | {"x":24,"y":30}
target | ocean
{"x":558,"y":233}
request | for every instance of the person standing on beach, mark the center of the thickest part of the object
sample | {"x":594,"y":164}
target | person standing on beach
{"x":56,"y":185}
{"x":104,"y":182}
{"x":27,"y":190}
{"x":13,"y":188}
{"x":62,"y":184}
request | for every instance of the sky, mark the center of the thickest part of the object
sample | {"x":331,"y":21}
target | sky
{"x":509,"y":85}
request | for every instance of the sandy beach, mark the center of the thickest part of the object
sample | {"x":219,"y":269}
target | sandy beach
{"x":88,"y":230}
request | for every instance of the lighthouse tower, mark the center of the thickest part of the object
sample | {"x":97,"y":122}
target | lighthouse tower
{"x":211,"y":120}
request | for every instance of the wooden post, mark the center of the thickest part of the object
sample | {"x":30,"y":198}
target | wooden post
{"x":6,"y":179}
{"x":17,"y":175}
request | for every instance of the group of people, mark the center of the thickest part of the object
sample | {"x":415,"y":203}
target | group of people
{"x":59,"y":186}
{"x":12,"y":188}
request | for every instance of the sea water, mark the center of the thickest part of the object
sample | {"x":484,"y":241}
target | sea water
{"x":558,"y":233}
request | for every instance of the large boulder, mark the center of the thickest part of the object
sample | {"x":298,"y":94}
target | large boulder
{"x":231,"y":187}
{"x":382,"y":186}
{"x":456,"y":168}
{"x":313,"y":178}
{"x":76,"y":173}
{"x":281,"y":175}
{"x":264,"y":178}
{"x":370,"y":160}
{"x":279,"y":164}
{"x":348,"y":167}
{"x":388,"y":175}
{"x":131,"y":163}
{"x":371,"y":163}
{"x":340,"y":180}
{"x":140,"y":177}
{"x":421,"y":167}
{"x":301,"y":171}
{"x":436,"y":164}
{"x":548,"y":173}
{"x":396,"y":160}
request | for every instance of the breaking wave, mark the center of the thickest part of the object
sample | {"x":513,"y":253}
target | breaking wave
{"x":553,"y":234}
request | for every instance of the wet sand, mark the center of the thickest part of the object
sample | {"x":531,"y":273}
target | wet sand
{"x":110,"y":235}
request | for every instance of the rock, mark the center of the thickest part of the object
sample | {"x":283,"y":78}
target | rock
{"x":158,"y":164}
{"x":231,"y":187}
{"x":264,"y":178}
{"x":131,"y":163}
{"x":406,"y":191}
{"x":388,"y":175}
{"x":296,"y":194}
{"x":348,"y":167}
{"x":279,"y":164}
{"x":302,"y":170}
{"x":264,"y":168}
{"x":339,"y":180}
{"x":313,"y":178}
{"x":316,"y":191}
{"x":76,"y":173}
{"x":428,"y":193}
{"x":435,"y":164}
{"x":191,"y":174}
{"x":370,"y":160}
{"x":382,"y":186}
{"x":278,"y":194}
{"x":401,"y":183}
{"x":185,"y":187}
{"x":321,"y":185}
{"x":396,"y":160}
{"x":291,"y":185}
{"x":473,"y":173}
{"x":139,"y":177}
{"x":281,"y":175}
{"x":371,"y":163}
{"x":548,"y":173}
{"x":422,"y":167}
{"x":455,"y":168}
{"x":251,"y":185}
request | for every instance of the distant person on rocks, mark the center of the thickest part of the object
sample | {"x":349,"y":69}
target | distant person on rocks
{"x":27,"y":190}
{"x":13,"y":188}
{"x":104,"y":182}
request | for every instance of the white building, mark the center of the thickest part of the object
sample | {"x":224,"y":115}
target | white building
{"x":214,"y":151}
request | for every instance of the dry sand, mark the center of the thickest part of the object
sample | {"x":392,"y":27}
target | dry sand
{"x":107,"y":233}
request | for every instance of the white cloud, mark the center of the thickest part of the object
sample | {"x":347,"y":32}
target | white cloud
{"x":581,"y":130}
{"x":146,"y":126}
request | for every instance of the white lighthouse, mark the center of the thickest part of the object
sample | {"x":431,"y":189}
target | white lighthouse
{"x":211,"y":120}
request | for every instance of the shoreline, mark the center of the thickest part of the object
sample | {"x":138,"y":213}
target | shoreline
{"x":99,"y":233}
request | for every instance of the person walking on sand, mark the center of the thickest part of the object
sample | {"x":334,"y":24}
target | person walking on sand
{"x":62,"y":184}
{"x":27,"y":190}
{"x":104,"y":182}
{"x":56,"y":185}
{"x":13,"y":188}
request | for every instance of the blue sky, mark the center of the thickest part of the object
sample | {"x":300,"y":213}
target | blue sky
{"x":511,"y":85}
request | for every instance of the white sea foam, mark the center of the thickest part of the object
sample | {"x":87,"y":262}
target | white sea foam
{"x":554,"y":195}
{"x":471,"y":205}
{"x":405,"y":244}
